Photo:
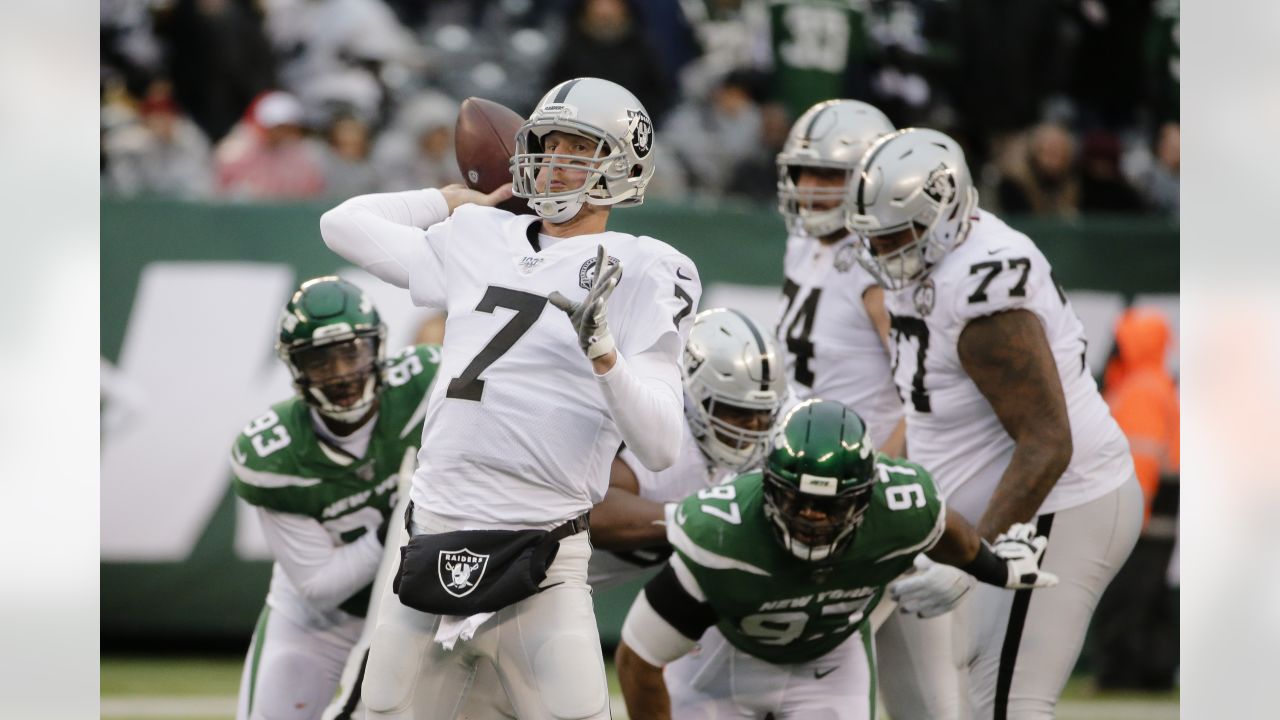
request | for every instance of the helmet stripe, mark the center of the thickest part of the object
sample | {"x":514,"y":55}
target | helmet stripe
{"x":564,"y":90}
{"x":808,"y":131}
{"x":764,"y":350}
{"x":862,"y":177}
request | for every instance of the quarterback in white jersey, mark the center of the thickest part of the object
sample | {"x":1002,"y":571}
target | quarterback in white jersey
{"x":1001,"y":408}
{"x":531,"y":406}
{"x":834,"y":329}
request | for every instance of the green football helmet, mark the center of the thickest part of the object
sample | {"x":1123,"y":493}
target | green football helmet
{"x":332,"y":339}
{"x":818,"y":478}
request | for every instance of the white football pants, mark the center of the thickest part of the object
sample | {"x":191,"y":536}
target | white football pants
{"x":545,"y":651}
{"x":292,"y":671}
{"x":718,"y":682}
{"x":915,"y":664}
{"x":1019,"y":647}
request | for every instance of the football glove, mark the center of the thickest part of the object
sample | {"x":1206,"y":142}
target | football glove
{"x":1021,"y":550}
{"x":588,"y":316}
{"x":932,"y":590}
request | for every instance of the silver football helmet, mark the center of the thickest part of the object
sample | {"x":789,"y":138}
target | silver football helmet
{"x":831,"y":135}
{"x":623,"y":161}
{"x":734,"y":386}
{"x":914,"y":180}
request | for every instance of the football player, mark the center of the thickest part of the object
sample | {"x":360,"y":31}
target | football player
{"x":322,"y":471}
{"x":535,"y":406}
{"x":1000,"y":406}
{"x":787,"y":564}
{"x":834,"y":329}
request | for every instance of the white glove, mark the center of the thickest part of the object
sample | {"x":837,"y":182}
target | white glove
{"x":1021,"y":550}
{"x":932,"y":590}
{"x":588,"y":316}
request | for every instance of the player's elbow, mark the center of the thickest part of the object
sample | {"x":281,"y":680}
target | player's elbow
{"x":319,"y":594}
{"x":659,"y":457}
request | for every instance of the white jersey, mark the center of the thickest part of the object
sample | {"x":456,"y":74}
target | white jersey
{"x":518,"y":433}
{"x":831,"y":346}
{"x":691,"y":472}
{"x":951,"y":428}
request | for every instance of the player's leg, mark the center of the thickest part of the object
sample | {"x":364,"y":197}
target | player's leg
{"x":840,"y":685}
{"x":916,"y":667}
{"x":701,"y":683}
{"x":292,"y":671}
{"x":1022,"y":645}
{"x":488,"y":699}
{"x":548,"y":649}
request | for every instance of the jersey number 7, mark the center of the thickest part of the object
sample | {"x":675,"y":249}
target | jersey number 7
{"x":528,"y":307}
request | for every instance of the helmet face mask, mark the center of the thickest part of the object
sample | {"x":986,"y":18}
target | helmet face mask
{"x":332,"y":340}
{"x":616,"y":173}
{"x":818,"y":479}
{"x":914,"y":192}
{"x":829,"y":137}
{"x":733,"y":388}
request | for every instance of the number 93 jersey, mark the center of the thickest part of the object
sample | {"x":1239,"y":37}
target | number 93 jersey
{"x":281,"y":464}
{"x":518,"y":433}
{"x":832,"y":350}
{"x":951,"y":428}
{"x":769,"y":603}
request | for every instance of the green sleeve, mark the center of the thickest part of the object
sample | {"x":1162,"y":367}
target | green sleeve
{"x":264,"y":464}
{"x":908,"y":514}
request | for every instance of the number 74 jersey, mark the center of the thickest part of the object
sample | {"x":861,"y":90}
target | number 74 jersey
{"x":951,"y":428}
{"x":777,"y":607}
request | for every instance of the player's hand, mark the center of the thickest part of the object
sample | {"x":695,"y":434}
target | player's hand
{"x":1021,"y":550}
{"x":932,"y":590}
{"x":589,"y":316}
{"x":458,"y":194}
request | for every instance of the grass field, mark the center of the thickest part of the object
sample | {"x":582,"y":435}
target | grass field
{"x":205,"y":689}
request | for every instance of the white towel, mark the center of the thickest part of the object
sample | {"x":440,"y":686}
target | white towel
{"x":459,"y":627}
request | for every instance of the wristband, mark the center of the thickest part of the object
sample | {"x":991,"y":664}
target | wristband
{"x":987,"y":567}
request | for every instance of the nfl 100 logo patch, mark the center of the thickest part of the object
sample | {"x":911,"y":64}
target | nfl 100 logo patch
{"x":460,"y":571}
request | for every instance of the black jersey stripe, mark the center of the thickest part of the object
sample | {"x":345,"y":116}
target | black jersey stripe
{"x":764,"y":349}
{"x":1013,"y":634}
{"x":564,"y":90}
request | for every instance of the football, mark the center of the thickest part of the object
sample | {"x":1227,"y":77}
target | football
{"x":485,"y":141}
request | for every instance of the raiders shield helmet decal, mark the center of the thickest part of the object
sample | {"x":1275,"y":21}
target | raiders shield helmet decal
{"x":641,"y":133}
{"x":460,"y":571}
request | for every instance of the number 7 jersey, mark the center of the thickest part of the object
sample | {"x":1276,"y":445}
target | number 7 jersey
{"x":951,"y":428}
{"x":518,"y":433}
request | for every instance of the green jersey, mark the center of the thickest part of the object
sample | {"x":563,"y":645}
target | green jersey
{"x":814,"y":44}
{"x":281,"y":464}
{"x":781,"y":609}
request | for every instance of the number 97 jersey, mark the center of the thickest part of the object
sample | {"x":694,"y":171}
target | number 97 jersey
{"x":779,"y":608}
{"x":951,"y":428}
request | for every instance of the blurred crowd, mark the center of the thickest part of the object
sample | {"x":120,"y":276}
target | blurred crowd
{"x":1064,"y":106}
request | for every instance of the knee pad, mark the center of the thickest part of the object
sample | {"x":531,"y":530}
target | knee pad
{"x":569,"y":673}
{"x":395,"y":659}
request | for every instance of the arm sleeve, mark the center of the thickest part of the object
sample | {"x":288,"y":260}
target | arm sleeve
{"x":666,"y":619}
{"x":383,"y":233}
{"x":645,"y":401}
{"x":326,"y":575}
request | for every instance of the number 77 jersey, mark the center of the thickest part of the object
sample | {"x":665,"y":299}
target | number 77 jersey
{"x":951,"y":428}
{"x":769,"y":603}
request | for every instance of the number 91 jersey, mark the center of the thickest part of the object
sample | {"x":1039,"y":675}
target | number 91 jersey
{"x":769,"y":603}
{"x":951,"y":428}
{"x":279,"y":463}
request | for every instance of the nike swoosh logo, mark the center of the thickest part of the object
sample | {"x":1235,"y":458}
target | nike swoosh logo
{"x":239,"y":456}
{"x":819,"y":674}
{"x":680,"y":516}
{"x":993,"y":252}
{"x":681,"y":275}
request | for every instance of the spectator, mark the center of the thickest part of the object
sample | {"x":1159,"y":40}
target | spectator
{"x":1103,"y":188}
{"x":1039,"y":178}
{"x":756,"y":177}
{"x":1136,"y":624}
{"x":347,"y":169}
{"x":267,"y":156}
{"x":219,"y":59}
{"x":732,"y":34}
{"x":1161,"y":184}
{"x":712,"y":137}
{"x":417,"y":151}
{"x":605,"y":41}
{"x":164,"y":153}
{"x":820,"y":51}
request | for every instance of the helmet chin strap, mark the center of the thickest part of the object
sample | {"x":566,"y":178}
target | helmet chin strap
{"x":547,"y":209}
{"x":328,"y":409}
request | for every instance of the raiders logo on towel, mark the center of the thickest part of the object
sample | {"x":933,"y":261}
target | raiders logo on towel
{"x":460,"y":571}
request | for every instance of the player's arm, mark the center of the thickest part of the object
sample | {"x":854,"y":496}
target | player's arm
{"x":664,"y":623}
{"x":1008,"y":357}
{"x":382,"y":232}
{"x":624,"y":520}
{"x":873,"y":302}
{"x":325,"y":574}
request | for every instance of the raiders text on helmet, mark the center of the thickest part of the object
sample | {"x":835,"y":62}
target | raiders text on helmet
{"x":608,"y":115}
{"x":831,"y":135}
{"x":914,"y":180}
